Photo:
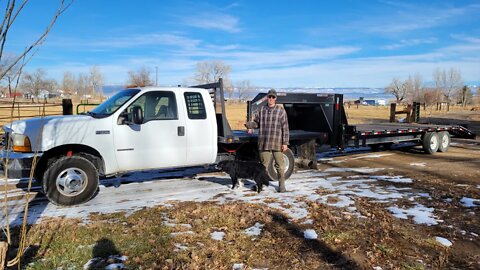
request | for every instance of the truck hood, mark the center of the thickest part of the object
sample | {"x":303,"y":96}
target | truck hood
{"x":55,"y":130}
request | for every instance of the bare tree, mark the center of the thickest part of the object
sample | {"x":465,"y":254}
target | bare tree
{"x":140,"y":77}
{"x":68,"y":83}
{"x":11,"y":76}
{"x":398,"y":88}
{"x":211,"y":71}
{"x":96,"y":79}
{"x":448,"y":82}
{"x":414,"y":85}
{"x":244,"y":88}
{"x":12,"y":10}
{"x":34,"y":82}
{"x":428,"y":96}
{"x":82,"y":86}
{"x":465,"y":95}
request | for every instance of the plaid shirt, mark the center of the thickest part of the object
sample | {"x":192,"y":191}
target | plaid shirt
{"x":273,"y":128}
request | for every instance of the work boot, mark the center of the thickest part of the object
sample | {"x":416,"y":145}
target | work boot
{"x":281,"y":182}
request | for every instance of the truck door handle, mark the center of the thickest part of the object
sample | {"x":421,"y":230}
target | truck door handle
{"x":181,"y":131}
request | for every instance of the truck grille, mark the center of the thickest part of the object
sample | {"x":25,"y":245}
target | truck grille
{"x":3,"y":142}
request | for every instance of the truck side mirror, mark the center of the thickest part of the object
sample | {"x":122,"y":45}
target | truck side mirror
{"x":137,"y":115}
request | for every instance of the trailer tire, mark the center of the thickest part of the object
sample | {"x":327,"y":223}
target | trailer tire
{"x":430,"y":142}
{"x":444,"y":141}
{"x":289,"y":165}
{"x":70,"y":180}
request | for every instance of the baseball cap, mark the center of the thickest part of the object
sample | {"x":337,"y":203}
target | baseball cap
{"x":272,"y":92}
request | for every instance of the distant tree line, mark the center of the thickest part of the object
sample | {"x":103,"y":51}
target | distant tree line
{"x":37,"y":83}
{"x":448,"y":87}
{"x":205,"y":72}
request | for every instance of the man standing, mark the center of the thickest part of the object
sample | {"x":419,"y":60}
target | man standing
{"x":273,"y":136}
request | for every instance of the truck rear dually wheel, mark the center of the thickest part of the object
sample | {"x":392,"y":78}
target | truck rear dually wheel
{"x":289,"y":160}
{"x":70,"y":180}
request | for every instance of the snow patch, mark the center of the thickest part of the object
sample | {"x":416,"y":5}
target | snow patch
{"x":255,"y":230}
{"x":443,"y":241}
{"x":114,"y":266}
{"x":217,"y":236}
{"x":422,"y":164}
{"x":357,"y":170}
{"x":372,"y":156}
{"x":180,"y":247}
{"x":469,"y":202}
{"x":419,"y":213}
{"x":310,"y":234}
{"x":238,"y":266}
{"x":395,"y":179}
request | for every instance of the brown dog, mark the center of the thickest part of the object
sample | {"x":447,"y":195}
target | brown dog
{"x":245,"y":169}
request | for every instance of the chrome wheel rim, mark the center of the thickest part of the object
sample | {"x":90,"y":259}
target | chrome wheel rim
{"x":445,"y":141}
{"x":286,"y":161}
{"x":71,"y":182}
{"x":434,"y":142}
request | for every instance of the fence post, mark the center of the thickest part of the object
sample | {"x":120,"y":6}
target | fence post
{"x":416,"y":112}
{"x":67,"y":106}
{"x":393,"y":107}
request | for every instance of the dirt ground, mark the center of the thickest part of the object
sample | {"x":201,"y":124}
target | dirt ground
{"x":446,"y":177}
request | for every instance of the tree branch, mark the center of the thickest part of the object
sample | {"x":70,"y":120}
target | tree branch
{"x":40,"y":39}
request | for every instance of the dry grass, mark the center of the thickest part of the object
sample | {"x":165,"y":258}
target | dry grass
{"x":345,"y":241}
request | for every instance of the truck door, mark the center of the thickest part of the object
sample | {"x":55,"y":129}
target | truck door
{"x":158,"y":142}
{"x":201,"y":130}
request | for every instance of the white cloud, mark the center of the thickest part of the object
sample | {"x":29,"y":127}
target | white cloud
{"x":128,"y":41}
{"x":409,"y":42}
{"x":215,"y":21}
{"x":146,"y":40}
{"x":239,"y":58}
{"x":410,"y":17}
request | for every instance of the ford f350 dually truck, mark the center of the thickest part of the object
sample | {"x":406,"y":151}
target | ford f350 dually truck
{"x":136,"y":129}
{"x":155,"y":128}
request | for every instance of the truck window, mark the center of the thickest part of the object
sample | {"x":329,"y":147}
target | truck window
{"x":116,"y":101}
{"x":195,"y":105}
{"x":157,"y":105}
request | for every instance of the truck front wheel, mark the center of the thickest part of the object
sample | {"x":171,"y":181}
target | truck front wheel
{"x":70,"y":180}
{"x":289,"y":160}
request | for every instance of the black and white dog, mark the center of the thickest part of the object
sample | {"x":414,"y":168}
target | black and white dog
{"x":245,"y":169}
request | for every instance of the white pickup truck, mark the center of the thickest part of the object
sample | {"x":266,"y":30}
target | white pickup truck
{"x":136,"y":129}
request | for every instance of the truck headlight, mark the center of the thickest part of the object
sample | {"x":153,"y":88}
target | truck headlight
{"x":21,"y":143}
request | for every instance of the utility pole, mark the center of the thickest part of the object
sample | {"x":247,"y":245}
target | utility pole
{"x":156,"y":76}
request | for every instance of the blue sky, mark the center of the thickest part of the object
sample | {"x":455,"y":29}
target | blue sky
{"x":270,"y":43}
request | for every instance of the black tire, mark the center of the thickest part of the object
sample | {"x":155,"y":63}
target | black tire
{"x":70,"y":180}
{"x":289,"y":165}
{"x":430,"y":142}
{"x":444,"y":141}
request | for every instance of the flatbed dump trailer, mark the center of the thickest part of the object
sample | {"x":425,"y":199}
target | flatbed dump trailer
{"x":325,"y":114}
{"x":317,"y":120}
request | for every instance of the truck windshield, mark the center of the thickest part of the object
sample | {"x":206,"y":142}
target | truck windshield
{"x":112,"y":104}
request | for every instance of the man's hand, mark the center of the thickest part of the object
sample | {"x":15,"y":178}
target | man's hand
{"x":284,"y":147}
{"x":251,"y":125}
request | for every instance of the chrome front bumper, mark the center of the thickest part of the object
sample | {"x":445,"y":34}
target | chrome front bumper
{"x":19,"y":164}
